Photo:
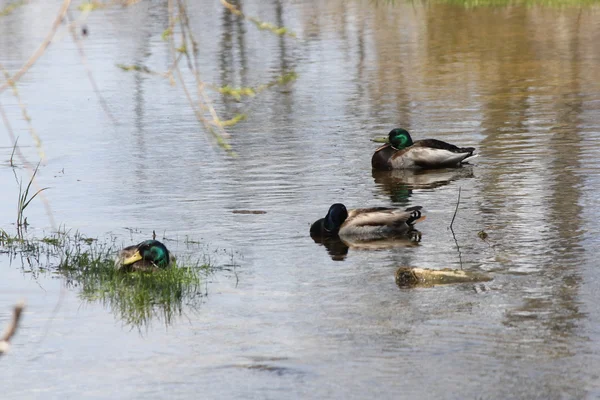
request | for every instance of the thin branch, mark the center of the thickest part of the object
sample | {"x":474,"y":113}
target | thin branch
{"x":456,"y":209}
{"x":220,"y":137}
{"x":26,"y":117}
{"x":79,"y":44}
{"x":37,"y":54}
{"x":452,"y":230}
{"x":206,"y":102}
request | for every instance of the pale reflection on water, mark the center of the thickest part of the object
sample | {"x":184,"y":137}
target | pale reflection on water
{"x":520,"y":84}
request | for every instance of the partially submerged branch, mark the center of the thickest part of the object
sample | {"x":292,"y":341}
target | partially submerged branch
{"x":452,"y":230}
{"x":455,"y":210}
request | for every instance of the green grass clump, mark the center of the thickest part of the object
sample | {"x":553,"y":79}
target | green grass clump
{"x":134,"y":297}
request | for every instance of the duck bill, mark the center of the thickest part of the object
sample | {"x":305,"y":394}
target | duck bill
{"x":383,"y":139}
{"x":133,"y":258}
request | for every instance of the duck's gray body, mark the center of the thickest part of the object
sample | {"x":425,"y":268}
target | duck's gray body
{"x":379,"y":222}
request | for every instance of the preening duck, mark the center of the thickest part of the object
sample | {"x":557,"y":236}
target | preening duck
{"x":366,"y":223}
{"x":402,"y":153}
{"x":148,"y":255}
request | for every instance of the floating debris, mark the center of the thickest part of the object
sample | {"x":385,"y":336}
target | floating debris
{"x":425,"y":277}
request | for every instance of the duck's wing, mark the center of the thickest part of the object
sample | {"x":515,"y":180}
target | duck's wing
{"x":380,"y":216}
{"x":441,"y":145}
{"x":432,"y":153}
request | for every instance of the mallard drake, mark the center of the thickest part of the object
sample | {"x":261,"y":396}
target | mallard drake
{"x":401,"y":152}
{"x":146,"y":256}
{"x":366,"y":223}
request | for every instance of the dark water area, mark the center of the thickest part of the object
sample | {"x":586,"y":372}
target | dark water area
{"x":297,"y":319}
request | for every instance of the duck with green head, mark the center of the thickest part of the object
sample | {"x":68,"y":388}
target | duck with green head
{"x":150,"y":255}
{"x":402,"y":153}
{"x":366,"y":223}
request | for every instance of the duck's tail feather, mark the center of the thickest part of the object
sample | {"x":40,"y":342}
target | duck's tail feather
{"x":469,"y":157}
{"x":415,"y":215}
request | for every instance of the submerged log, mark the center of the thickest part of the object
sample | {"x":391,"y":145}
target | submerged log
{"x":425,"y":277}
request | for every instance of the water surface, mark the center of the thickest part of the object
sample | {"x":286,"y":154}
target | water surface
{"x":294,"y":321}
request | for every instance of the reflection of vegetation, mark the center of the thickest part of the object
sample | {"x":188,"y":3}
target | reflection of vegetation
{"x":10,"y":7}
{"x":496,"y":3}
{"x":135,"y":298}
{"x":184,"y":49}
{"x":501,"y":3}
{"x":236,"y":92}
{"x":262,"y":25}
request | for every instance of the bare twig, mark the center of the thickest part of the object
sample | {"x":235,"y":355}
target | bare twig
{"x":452,"y":230}
{"x":12,"y":327}
{"x":456,"y":209}
{"x":43,"y":46}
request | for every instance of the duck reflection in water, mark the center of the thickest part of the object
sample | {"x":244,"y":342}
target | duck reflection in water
{"x":399,"y":184}
{"x":338,"y":248}
{"x":366,"y":228}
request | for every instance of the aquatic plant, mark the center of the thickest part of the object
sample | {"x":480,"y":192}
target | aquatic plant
{"x":136,"y":297}
{"x":25,"y":199}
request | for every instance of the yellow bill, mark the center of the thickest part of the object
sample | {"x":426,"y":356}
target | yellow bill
{"x":383,"y":139}
{"x":132,"y":258}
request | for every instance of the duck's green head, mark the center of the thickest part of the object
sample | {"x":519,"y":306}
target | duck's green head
{"x":335,"y":217}
{"x":152,"y":251}
{"x":400,"y":138}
